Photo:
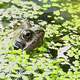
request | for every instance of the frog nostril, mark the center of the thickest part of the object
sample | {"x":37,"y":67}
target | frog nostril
{"x":19,"y":45}
{"x":16,"y":47}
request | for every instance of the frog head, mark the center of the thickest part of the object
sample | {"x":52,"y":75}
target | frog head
{"x":29,"y":38}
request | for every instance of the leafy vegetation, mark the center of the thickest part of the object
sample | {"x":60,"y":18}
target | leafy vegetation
{"x":59,"y":56}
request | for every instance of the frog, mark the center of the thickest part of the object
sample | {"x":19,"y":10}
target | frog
{"x":31,"y":36}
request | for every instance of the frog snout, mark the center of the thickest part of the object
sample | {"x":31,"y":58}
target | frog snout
{"x":19,"y":45}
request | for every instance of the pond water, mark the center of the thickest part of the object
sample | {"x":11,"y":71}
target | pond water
{"x":65,"y":14}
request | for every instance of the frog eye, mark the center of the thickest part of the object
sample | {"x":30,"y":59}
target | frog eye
{"x":27,"y":35}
